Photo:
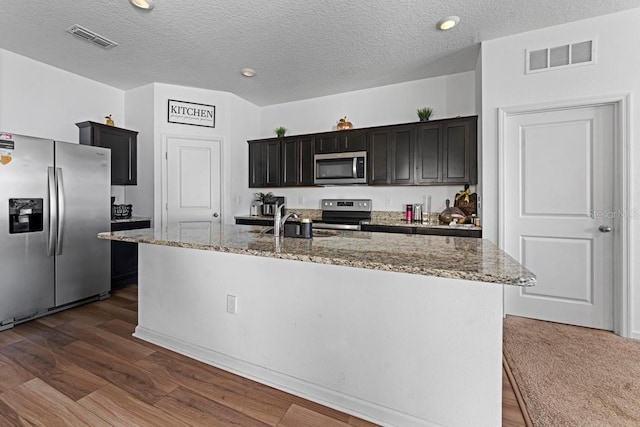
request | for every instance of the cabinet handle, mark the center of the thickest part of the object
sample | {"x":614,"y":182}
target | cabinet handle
{"x":130,"y":160}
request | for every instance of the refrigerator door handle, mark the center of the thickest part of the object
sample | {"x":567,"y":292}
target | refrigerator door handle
{"x":53,"y":212}
{"x":61,"y":199}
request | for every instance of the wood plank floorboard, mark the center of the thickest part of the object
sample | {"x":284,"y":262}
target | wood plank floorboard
{"x":64,"y":376}
{"x":83,"y":367}
{"x":40,"y":404}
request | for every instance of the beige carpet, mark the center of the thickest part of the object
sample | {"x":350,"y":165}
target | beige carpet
{"x":572,"y":376}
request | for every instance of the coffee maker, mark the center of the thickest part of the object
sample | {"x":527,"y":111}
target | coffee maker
{"x":269,"y":206}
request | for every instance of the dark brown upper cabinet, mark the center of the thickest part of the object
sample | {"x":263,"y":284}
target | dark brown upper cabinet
{"x":391,"y":155}
{"x":297,"y":160}
{"x":428,"y":154}
{"x":340,"y":141}
{"x":264,"y":163}
{"x":123,"y":145}
{"x":459,"y":151}
{"x":446,"y":152}
{"x":438,"y":152}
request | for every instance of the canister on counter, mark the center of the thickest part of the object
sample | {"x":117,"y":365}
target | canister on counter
{"x":306,"y":228}
{"x":408,"y":213}
{"x":417,"y":213}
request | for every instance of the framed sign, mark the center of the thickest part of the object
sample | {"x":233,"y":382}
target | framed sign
{"x":190,"y":113}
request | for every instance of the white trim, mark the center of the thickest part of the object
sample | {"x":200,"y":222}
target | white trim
{"x":622,"y":300}
{"x":163,"y":173}
{"x":339,"y":401}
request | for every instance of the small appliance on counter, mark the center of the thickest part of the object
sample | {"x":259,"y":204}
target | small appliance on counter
{"x":256,"y":208}
{"x":269,"y":206}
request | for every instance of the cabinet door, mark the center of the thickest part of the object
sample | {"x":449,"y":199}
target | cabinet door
{"x":306,"y":150}
{"x":401,"y":153}
{"x":379,"y":160}
{"x":257,"y":165}
{"x":353,"y":140}
{"x":123,"y":146}
{"x":429,"y":153}
{"x":123,"y":153}
{"x":457,"y":152}
{"x":290,"y":162}
{"x":327,"y":143}
{"x":272,"y":167}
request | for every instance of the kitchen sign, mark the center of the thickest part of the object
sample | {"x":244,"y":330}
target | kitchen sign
{"x":190,"y":113}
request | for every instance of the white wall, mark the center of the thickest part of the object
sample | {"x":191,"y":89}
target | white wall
{"x":43,"y":101}
{"x":140,"y":117}
{"x":450,"y":96}
{"x":615,"y":73}
{"x":235,"y":121}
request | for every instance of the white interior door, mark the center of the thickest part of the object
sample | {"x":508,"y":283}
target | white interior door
{"x":193,"y":182}
{"x":558,"y":213}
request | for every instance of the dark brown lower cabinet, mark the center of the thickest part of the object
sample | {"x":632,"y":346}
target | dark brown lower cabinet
{"x":124,"y":256}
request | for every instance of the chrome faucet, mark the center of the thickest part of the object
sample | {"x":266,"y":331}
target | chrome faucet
{"x":279,"y":220}
{"x":286,"y":217}
{"x":277,"y":217}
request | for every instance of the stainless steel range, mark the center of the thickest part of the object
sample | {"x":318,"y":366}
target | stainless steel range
{"x":343,"y":214}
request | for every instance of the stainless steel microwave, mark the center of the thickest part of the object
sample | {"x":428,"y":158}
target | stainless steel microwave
{"x":340,"y":168}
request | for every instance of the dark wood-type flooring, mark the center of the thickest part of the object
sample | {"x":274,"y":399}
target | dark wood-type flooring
{"x":83,"y":367}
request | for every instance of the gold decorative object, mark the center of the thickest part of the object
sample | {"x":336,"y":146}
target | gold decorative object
{"x":449,"y":214}
{"x":109,"y":120}
{"x":344,"y":124}
{"x":467,"y":201}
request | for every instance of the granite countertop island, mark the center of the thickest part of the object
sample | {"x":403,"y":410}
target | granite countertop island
{"x":438,"y":256}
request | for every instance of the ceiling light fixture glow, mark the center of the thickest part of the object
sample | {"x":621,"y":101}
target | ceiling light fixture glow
{"x":143,"y":4}
{"x":248,"y":72}
{"x":448,"y":23}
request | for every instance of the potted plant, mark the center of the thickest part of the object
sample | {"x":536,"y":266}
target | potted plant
{"x":262,"y":198}
{"x":280,"y":131}
{"x":424,"y":113}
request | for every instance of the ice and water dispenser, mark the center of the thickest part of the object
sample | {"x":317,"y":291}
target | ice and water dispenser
{"x":25,"y":215}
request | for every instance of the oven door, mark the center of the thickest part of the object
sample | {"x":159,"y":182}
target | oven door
{"x":341,"y":168}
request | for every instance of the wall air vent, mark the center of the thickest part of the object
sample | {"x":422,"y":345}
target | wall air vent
{"x":553,"y":58}
{"x":92,"y":37}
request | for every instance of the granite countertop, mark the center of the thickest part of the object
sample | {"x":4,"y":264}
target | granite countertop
{"x":450,"y":257}
{"x":130,"y":219}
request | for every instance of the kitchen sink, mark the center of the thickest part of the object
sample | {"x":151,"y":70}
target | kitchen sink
{"x":316,"y":232}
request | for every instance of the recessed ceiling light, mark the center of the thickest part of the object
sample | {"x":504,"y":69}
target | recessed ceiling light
{"x":248,"y":72}
{"x":143,"y":4}
{"x":448,"y":23}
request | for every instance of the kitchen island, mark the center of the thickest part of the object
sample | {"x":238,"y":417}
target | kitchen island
{"x":398,"y":329}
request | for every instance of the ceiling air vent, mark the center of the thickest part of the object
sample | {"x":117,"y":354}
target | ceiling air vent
{"x":92,"y":37}
{"x":553,"y":58}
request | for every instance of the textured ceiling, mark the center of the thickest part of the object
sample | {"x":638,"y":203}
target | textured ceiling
{"x":299,"y":49}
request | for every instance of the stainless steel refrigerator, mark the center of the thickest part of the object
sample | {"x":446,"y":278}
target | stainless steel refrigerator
{"x":54,"y":200}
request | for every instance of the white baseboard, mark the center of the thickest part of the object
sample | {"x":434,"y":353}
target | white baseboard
{"x":324,"y":396}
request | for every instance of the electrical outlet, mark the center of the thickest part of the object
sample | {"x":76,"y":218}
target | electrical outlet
{"x":387,"y":201}
{"x":232,"y":304}
{"x":300,"y":200}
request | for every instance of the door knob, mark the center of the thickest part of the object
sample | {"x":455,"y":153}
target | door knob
{"x":215,"y":214}
{"x":604,"y":228}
